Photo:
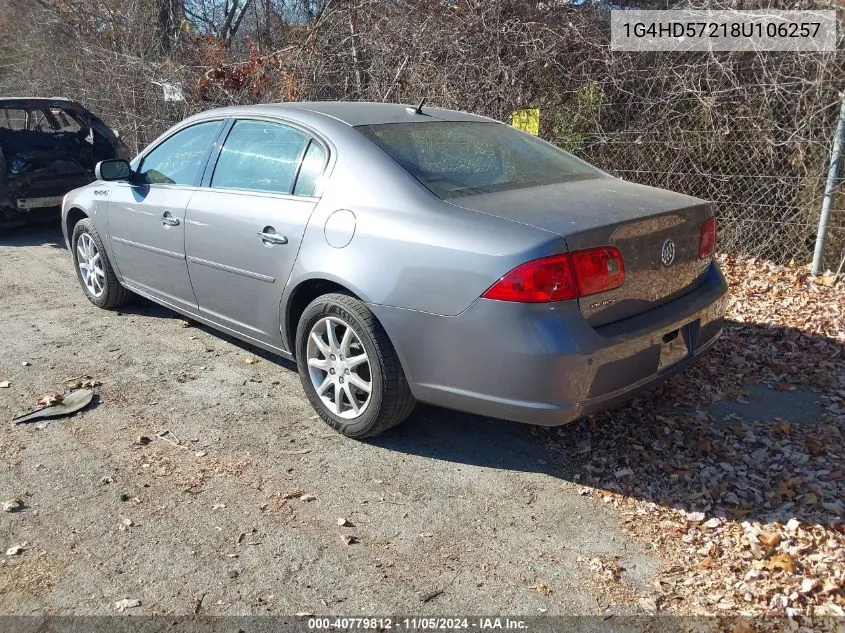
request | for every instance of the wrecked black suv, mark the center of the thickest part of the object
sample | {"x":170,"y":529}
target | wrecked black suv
{"x":47,"y":148}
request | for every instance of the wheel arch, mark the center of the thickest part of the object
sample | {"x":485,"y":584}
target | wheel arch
{"x":299,"y":298}
{"x":74,"y":215}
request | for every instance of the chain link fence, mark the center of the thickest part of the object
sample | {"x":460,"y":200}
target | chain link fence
{"x":764,"y":210}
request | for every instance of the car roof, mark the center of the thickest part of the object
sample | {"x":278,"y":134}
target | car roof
{"x":36,"y":101}
{"x":355,"y":112}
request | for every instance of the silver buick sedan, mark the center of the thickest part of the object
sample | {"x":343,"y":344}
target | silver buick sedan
{"x":407,"y":254}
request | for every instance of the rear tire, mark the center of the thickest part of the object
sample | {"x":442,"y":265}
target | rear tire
{"x":93,"y":268}
{"x":342,"y":351}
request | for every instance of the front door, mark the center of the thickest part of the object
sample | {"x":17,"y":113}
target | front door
{"x":243,"y":232}
{"x":147,"y":217}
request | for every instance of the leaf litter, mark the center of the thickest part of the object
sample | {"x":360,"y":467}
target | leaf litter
{"x":746,"y":515}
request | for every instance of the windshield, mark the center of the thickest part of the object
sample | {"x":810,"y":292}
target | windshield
{"x":455,"y":158}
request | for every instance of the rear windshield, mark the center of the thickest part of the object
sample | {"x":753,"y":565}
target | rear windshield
{"x":454,"y":158}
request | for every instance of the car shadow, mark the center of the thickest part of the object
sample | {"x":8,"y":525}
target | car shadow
{"x":140,"y":306}
{"x":46,"y":231}
{"x":716,"y":438}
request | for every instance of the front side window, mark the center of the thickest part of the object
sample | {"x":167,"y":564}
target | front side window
{"x":259,"y":156}
{"x":180,"y":159}
{"x":455,"y":158}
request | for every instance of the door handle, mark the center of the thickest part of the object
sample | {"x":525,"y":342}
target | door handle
{"x":169,"y":220}
{"x":269,"y":236}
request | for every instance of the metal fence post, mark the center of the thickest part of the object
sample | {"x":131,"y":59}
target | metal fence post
{"x":827,"y":202}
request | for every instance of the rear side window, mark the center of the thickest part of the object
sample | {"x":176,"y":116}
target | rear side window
{"x":180,"y":159}
{"x":259,"y":156}
{"x":48,"y":120}
{"x":13,"y":119}
{"x":454,"y":158}
{"x":311,"y":170}
{"x":66,"y":121}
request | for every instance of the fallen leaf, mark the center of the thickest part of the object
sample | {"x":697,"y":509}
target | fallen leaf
{"x":808,"y":585}
{"x":543,"y":590}
{"x":49,"y":400}
{"x":251,"y":361}
{"x":769,"y":539}
{"x":126,"y":603}
{"x":784,"y":490}
{"x":828,"y":279}
{"x":829,"y":586}
{"x":781,"y":561}
{"x":307,"y":497}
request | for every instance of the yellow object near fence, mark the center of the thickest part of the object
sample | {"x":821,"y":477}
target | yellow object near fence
{"x":527,"y":120}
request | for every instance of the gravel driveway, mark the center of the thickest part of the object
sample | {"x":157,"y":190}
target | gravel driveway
{"x":260,"y":508}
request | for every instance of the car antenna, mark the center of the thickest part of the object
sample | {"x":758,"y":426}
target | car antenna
{"x":418,"y":109}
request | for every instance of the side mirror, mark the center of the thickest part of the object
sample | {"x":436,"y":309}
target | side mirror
{"x":116,"y":169}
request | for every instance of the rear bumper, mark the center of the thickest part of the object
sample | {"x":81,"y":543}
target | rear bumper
{"x":542,"y":363}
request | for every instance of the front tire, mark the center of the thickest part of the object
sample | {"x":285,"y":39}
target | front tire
{"x":349,"y":369}
{"x":93,"y":268}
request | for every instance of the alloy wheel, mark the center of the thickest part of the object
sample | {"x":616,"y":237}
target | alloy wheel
{"x":90,"y":265}
{"x":339,"y":367}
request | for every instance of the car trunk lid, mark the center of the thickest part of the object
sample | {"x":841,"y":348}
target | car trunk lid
{"x":645,"y":224}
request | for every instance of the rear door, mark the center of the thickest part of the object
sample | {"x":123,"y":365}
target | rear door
{"x":244,"y":229}
{"x":147,"y":218}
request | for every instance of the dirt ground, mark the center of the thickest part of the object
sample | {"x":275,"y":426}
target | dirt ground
{"x":450,"y":513}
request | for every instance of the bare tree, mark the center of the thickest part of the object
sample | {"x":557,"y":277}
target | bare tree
{"x":749,"y":131}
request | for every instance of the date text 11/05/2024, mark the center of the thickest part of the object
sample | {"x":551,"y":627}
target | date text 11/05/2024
{"x":417,"y":624}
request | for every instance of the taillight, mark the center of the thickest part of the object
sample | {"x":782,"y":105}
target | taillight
{"x":537,"y":281}
{"x":598,"y":270}
{"x":561,"y":277}
{"x":707,"y":241}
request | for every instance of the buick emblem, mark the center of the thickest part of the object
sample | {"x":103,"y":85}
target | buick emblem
{"x":667,"y":253}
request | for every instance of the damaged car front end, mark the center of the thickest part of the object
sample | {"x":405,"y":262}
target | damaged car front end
{"x":47,"y":148}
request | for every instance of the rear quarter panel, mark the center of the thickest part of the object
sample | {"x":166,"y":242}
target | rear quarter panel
{"x":409,"y":248}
